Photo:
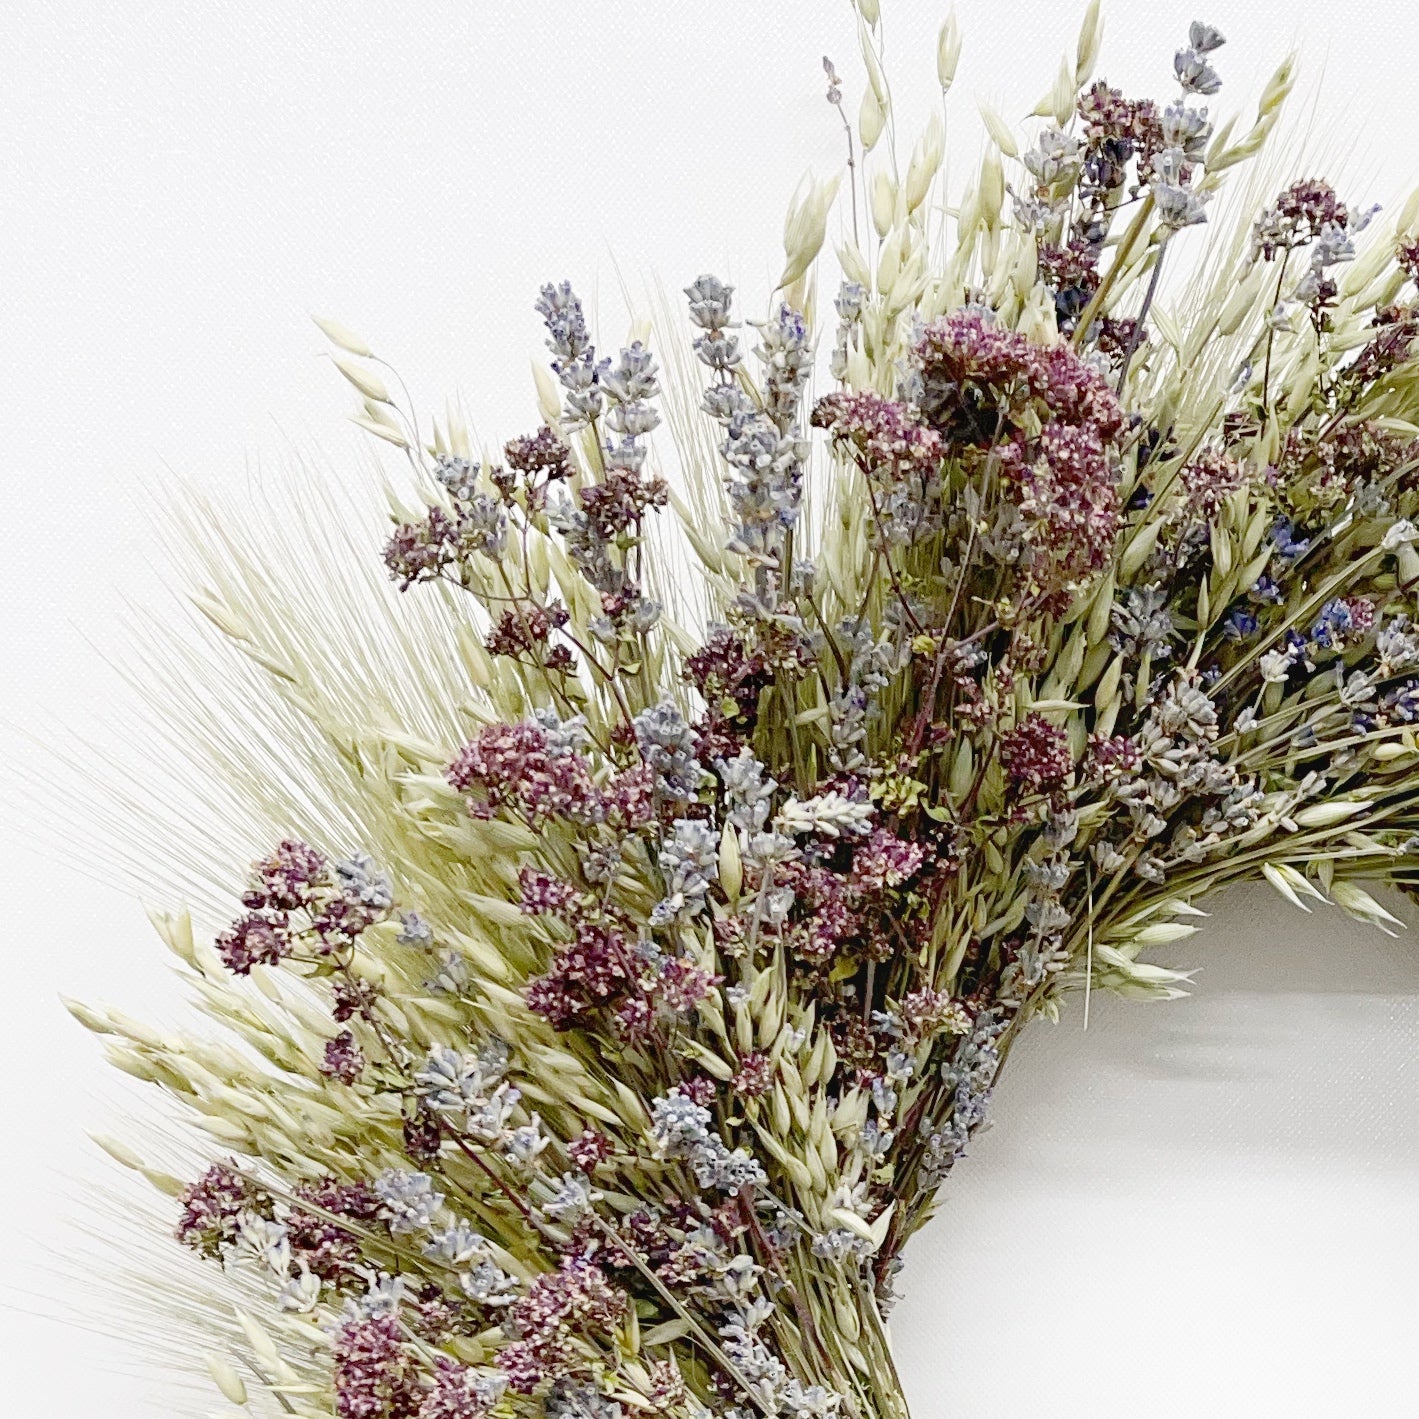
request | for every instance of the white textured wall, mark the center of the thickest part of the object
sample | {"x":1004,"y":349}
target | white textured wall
{"x":1204,"y":1207}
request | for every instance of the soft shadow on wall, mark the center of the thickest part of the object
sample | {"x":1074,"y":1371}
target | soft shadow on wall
{"x":1201,"y":1207}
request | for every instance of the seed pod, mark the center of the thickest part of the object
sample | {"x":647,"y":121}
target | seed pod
{"x":1069,"y":662}
{"x":962,"y":769}
{"x":345,"y":338}
{"x":853,"y":265}
{"x":1390,"y":288}
{"x":1406,"y":562}
{"x":1325,"y":815}
{"x":1359,"y":903}
{"x":805,"y":226}
{"x":176,"y":933}
{"x":1221,"y":547}
{"x":1093,"y":666}
{"x":845,"y":1313}
{"x":988,"y":243}
{"x":1368,"y":266}
{"x":871,"y":118}
{"x":873,"y":65}
{"x":1139,"y":550}
{"x":165,"y":1183}
{"x":818,"y":1177}
{"x":948,"y":51}
{"x":549,"y":399}
{"x":381,"y":429}
{"x":889,"y":263}
{"x":1025,"y":270}
{"x":999,"y":131}
{"x":1064,"y":95}
{"x":743,"y":1028}
{"x":227,"y":1380}
{"x":710,"y":1062}
{"x":925,"y":162}
{"x":1298,"y":393}
{"x":366,"y":381}
{"x":1101,"y":611}
{"x":778,"y":1102}
{"x":797,"y":1172}
{"x":731,"y":870}
{"x":1107,"y":716}
{"x":992,"y":187}
{"x":1241,"y":304}
{"x":1278,"y":88}
{"x":967,"y":220}
{"x":770,"y":1018}
{"x":1091,"y":34}
{"x":1408,"y":215}
{"x":1257,"y":527}
{"x":823,"y":1140}
{"x":1109,"y":682}
{"x":1163,"y":932}
{"x":884,"y":202}
{"x":119,"y":1151}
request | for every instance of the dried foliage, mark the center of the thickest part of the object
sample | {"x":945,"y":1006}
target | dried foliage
{"x":638,"y":943}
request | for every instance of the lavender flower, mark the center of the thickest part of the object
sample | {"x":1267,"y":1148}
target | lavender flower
{"x":688,"y":862}
{"x":680,"y":1129}
{"x":410,"y":1202}
{"x":667,"y":745}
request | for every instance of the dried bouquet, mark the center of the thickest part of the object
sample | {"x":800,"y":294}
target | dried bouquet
{"x":644,"y":928}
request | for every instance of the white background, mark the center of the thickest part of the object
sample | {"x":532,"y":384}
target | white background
{"x":1205,"y":1207}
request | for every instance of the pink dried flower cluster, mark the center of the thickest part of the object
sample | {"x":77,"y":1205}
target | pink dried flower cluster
{"x":889,"y":443}
{"x":589,"y":1148}
{"x":524,"y":632}
{"x":1114,"y":756}
{"x":438,"y":545}
{"x":855,"y":904}
{"x":298,"y":899}
{"x":599,"y":969}
{"x":539,"y":458}
{"x":619,"y":501}
{"x":1298,"y":216}
{"x":924,"y":1011}
{"x":1123,"y":123}
{"x":343,"y":1061}
{"x":593,"y":971}
{"x":322,"y":1246}
{"x":979,"y":377}
{"x":1035,"y":753}
{"x":458,"y":1392}
{"x":755,"y":1075}
{"x":885,"y":860}
{"x":1210,"y":479}
{"x":519,"y":768}
{"x":730,"y":678}
{"x":210,"y":1208}
{"x":1066,"y":490}
{"x":1049,"y":421}
{"x":560,"y":1308}
{"x":513,"y":766}
{"x":375,"y":1376}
